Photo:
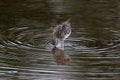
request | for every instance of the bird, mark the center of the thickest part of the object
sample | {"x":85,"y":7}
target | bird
{"x":60,"y":33}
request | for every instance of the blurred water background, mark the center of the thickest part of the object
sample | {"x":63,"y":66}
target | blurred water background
{"x":92,"y":52}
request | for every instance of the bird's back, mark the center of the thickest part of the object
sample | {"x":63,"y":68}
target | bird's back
{"x":62,"y":31}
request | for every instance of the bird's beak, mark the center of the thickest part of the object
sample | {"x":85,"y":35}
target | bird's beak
{"x":67,"y":21}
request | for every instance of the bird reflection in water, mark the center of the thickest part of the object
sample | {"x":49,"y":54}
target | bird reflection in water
{"x":60,"y":33}
{"x":60,"y":57}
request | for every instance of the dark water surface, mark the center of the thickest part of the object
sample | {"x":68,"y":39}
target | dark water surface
{"x":92,"y":52}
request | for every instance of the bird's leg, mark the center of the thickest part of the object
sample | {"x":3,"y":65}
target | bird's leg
{"x":62,"y":44}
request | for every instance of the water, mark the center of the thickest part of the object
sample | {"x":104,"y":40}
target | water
{"x":92,"y":52}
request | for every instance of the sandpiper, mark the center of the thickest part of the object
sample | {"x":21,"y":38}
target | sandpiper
{"x":60,"y":33}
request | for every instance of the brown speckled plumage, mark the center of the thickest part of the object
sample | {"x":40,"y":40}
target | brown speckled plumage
{"x":61,"y":32}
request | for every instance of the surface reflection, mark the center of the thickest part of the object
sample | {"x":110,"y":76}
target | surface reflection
{"x":60,"y":57}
